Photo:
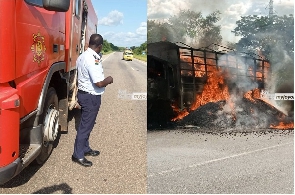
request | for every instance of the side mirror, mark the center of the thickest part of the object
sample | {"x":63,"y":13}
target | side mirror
{"x":56,"y":5}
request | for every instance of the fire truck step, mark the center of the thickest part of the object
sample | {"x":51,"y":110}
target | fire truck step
{"x":28,"y":152}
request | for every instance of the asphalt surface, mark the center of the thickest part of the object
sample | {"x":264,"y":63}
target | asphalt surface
{"x":184,"y":161}
{"x":119,"y":134}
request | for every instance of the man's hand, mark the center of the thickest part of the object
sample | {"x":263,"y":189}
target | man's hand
{"x":109,"y":80}
{"x":105,"y":82}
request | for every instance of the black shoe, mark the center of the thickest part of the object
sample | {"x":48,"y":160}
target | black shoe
{"x":92,"y":153}
{"x":83,"y":161}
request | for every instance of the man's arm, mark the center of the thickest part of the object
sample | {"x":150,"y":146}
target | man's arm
{"x":105,"y":82}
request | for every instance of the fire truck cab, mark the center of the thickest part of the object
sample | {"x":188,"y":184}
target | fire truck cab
{"x":40,"y":41}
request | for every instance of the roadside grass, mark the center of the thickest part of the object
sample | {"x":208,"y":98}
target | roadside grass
{"x":108,"y":52}
{"x":140,"y":57}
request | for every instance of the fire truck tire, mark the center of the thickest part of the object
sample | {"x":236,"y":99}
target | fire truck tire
{"x":49,"y":121}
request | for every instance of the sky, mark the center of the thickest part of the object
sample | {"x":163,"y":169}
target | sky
{"x":122,"y":22}
{"x":231,"y":10}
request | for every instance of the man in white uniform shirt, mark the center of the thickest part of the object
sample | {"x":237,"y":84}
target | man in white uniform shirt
{"x":91,"y":85}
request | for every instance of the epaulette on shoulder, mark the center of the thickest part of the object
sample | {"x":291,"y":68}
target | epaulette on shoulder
{"x":96,"y":60}
{"x":95,"y":57}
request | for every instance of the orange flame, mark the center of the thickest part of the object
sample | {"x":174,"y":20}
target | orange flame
{"x":283,"y":126}
{"x":252,"y":94}
{"x":215,"y":89}
{"x":180,"y":114}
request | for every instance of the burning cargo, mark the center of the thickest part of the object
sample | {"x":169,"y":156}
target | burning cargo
{"x":207,"y":88}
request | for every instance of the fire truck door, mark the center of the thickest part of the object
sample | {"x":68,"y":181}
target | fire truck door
{"x":76,"y":32}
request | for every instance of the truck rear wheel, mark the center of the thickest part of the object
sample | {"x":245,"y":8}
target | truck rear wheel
{"x":49,"y":121}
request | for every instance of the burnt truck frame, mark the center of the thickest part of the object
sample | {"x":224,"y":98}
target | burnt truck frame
{"x":173,"y":80}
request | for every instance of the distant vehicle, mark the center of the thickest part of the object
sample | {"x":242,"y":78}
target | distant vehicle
{"x":128,"y":55}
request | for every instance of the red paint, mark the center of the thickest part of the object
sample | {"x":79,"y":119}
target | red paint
{"x":27,"y":36}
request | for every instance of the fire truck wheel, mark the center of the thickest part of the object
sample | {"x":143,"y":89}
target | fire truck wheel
{"x":49,"y":121}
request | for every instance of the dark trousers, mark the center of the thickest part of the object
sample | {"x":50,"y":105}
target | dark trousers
{"x":90,"y":105}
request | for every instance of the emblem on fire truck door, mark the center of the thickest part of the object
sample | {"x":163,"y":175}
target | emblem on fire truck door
{"x":38,"y":48}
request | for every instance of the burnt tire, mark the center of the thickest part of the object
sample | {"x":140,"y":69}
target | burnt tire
{"x":51,"y":103}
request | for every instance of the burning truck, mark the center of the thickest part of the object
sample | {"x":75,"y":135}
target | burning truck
{"x":206,"y":88}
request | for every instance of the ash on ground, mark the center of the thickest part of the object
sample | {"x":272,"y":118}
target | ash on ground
{"x":247,"y":114}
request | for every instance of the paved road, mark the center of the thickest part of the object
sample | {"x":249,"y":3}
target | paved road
{"x":193,"y":162}
{"x":120,"y":135}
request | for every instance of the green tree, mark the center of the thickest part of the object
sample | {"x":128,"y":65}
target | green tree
{"x":274,"y":37}
{"x":189,"y":27}
{"x":140,"y":49}
{"x":114,"y":48}
{"x":159,"y":32}
{"x":187,"y":22}
{"x":106,"y":46}
{"x":209,"y":31}
{"x":269,"y":35}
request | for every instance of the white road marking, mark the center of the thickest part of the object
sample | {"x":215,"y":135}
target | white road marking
{"x":132,"y":68}
{"x":215,"y":160}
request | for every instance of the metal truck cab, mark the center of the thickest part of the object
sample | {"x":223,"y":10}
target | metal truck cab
{"x":32,"y":40}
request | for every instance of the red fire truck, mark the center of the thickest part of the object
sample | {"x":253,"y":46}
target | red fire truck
{"x":41,"y":40}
